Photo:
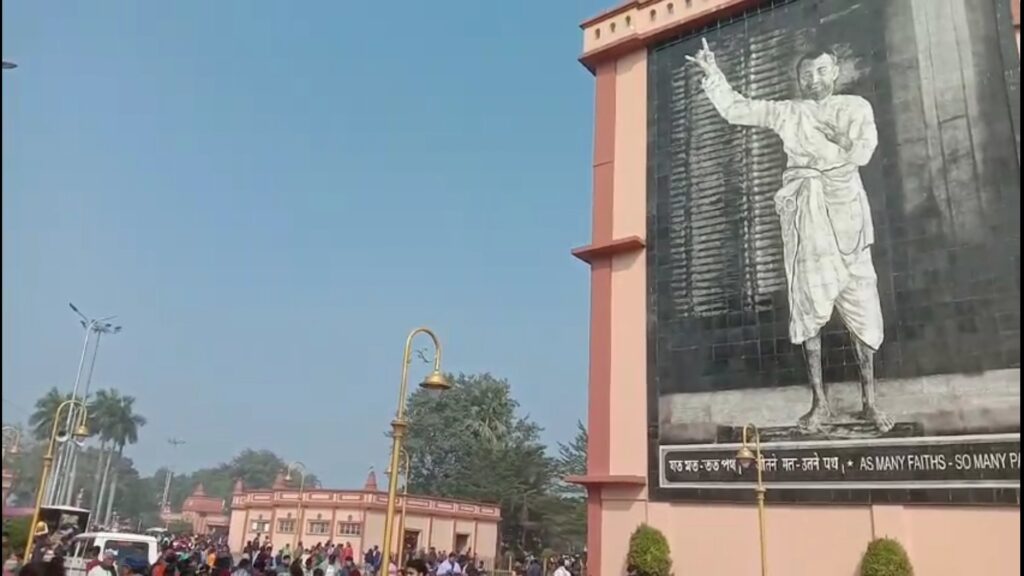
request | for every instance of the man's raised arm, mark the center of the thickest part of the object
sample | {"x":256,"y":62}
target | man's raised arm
{"x":734,"y":107}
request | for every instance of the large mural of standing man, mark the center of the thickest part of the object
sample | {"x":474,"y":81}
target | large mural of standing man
{"x":833,"y":252}
{"x":824,"y":213}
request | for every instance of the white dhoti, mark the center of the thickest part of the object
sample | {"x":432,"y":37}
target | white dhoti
{"x":827,"y":236}
{"x":827,"y":230}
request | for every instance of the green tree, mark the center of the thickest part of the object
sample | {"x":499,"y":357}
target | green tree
{"x":104,"y":409}
{"x":119,"y":427}
{"x":568,"y":515}
{"x":471,"y":443}
{"x":572,"y":457}
{"x":41,"y":419}
{"x":256,"y":468}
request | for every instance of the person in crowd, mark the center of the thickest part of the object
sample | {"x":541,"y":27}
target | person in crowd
{"x":450,"y":566}
{"x":166,"y":559}
{"x":416,"y":567}
{"x":330,"y":565}
{"x":563,"y":568}
{"x":105,"y":567}
{"x":31,"y":569}
{"x":244,"y":568}
{"x":54,"y":567}
{"x":377,"y":560}
{"x":132,"y":567}
{"x":92,"y":559}
{"x":12,"y":563}
{"x":349,"y":568}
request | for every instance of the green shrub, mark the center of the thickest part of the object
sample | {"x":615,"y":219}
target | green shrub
{"x":885,"y":557}
{"x":649,"y":552}
{"x":17,"y":529}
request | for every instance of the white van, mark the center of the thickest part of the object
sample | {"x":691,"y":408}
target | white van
{"x":123,"y":544}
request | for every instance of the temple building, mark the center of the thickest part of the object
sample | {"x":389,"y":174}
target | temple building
{"x":203,"y":512}
{"x":318,"y":515}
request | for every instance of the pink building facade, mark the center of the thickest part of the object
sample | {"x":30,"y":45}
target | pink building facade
{"x":204,"y":513}
{"x":949,"y":525}
{"x":356,"y":517}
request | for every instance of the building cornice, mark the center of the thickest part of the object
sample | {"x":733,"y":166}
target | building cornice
{"x":637,"y":24}
{"x":362,"y":499}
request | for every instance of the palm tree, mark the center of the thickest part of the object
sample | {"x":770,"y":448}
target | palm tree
{"x":124,"y":432}
{"x":118,"y":426}
{"x":103,"y":411}
{"x":41,"y":419}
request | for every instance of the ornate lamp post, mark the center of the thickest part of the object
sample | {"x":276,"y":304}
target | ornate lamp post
{"x":405,"y":499}
{"x":745,"y":457}
{"x":80,"y":433}
{"x":301,"y":469}
{"x":435,"y":382}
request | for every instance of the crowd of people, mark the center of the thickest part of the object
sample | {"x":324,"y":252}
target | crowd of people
{"x":200,"y":556}
{"x":337,"y":559}
{"x":210,"y":556}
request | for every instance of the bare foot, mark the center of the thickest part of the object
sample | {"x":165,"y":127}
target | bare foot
{"x":882,"y":421}
{"x":813,"y":420}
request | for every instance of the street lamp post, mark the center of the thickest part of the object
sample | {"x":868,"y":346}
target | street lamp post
{"x":301,"y":469}
{"x":12,"y":441}
{"x":98,"y":327}
{"x":174,"y":442}
{"x":745,"y":457}
{"x":399,"y":559}
{"x":435,"y":381}
{"x":63,"y":486}
{"x":76,"y":434}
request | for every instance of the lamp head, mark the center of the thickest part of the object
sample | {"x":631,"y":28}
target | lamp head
{"x":435,"y":383}
{"x":288,"y":475}
{"x":81,"y":433}
{"x":15,"y":450}
{"x":744,"y":457}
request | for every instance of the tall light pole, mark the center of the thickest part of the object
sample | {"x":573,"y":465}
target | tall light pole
{"x":434,"y":382}
{"x":745,"y":457}
{"x":63,"y":487}
{"x":78,"y":433}
{"x":174,"y":442}
{"x":301,"y":469}
{"x":99,"y":327}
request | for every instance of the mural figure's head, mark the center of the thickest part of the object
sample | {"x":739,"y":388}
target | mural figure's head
{"x":817,"y":73}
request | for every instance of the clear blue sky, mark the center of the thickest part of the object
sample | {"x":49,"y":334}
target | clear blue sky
{"x":271,"y":194}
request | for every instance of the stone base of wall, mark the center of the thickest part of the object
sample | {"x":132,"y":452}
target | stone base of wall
{"x":937,"y":405}
{"x":814,"y":540}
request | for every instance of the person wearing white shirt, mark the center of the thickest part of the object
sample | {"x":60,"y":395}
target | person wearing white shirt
{"x":106,"y":565}
{"x":449,"y":567}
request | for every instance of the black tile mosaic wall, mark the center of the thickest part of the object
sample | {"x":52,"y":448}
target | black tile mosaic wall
{"x":943,"y":189}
